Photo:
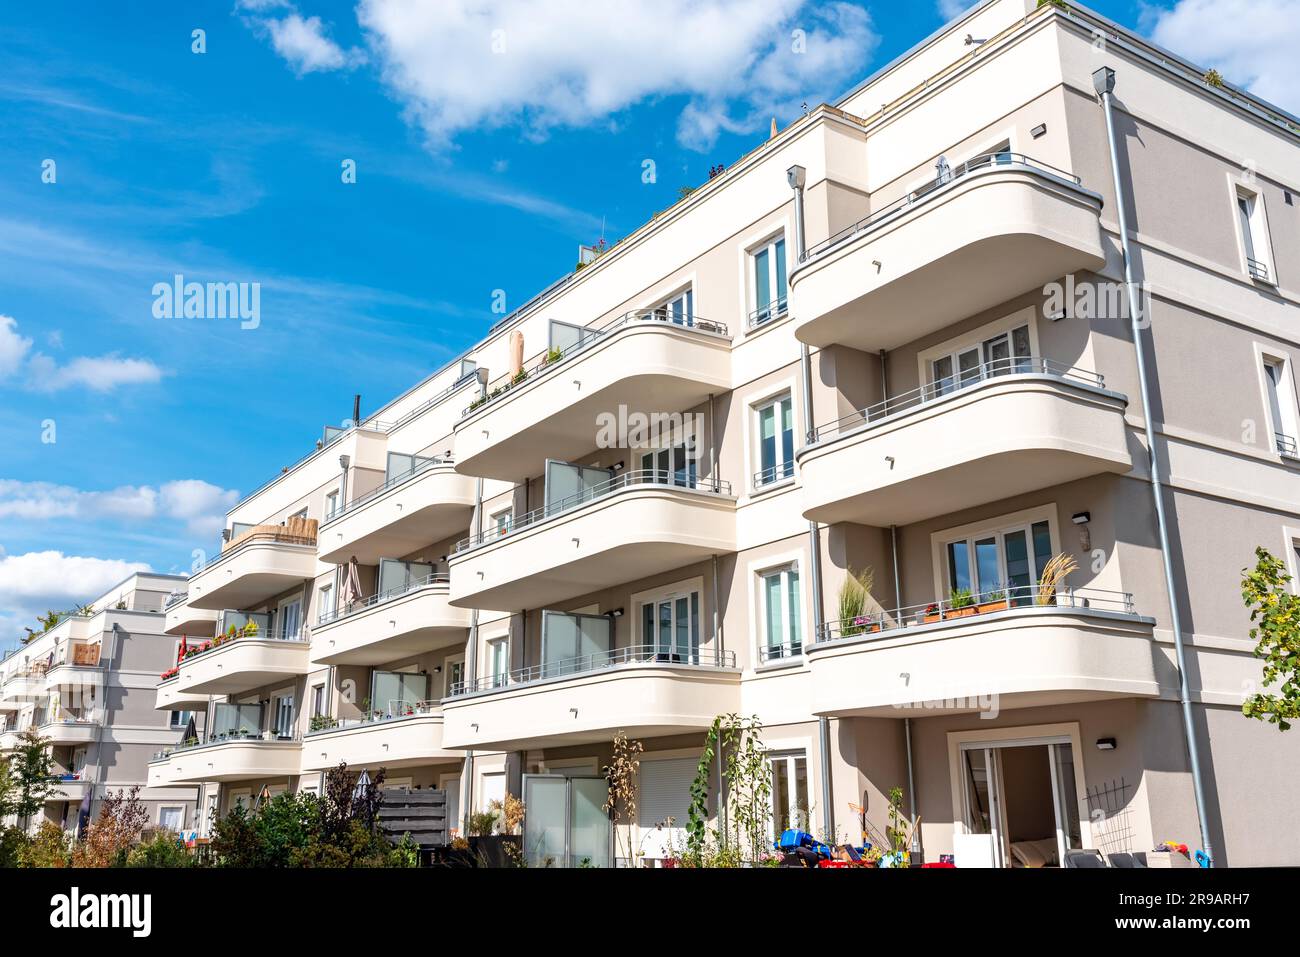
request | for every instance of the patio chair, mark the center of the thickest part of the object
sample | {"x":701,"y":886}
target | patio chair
{"x":1088,"y":857}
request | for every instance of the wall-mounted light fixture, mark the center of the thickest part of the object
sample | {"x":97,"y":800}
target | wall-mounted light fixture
{"x":1105,"y":744}
{"x":1085,"y":535}
{"x":616,"y":613}
{"x":1039,"y":131}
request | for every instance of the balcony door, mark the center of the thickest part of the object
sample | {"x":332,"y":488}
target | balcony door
{"x":283,"y":712}
{"x":573,"y":643}
{"x":290,"y":618}
{"x":675,"y":466}
{"x":1001,"y":354}
{"x":566,"y":824}
{"x":1010,"y":561}
{"x":670,"y":628}
{"x":568,"y":486}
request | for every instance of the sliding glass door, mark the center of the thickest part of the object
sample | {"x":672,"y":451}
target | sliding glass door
{"x":566,"y":825}
{"x":671,"y":627}
{"x":1010,"y":561}
{"x":573,"y":643}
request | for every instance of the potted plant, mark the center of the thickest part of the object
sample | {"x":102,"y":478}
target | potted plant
{"x":960,"y":603}
{"x":519,"y":377}
{"x":250,"y":629}
{"x":995,"y":599}
{"x":553,"y":355}
{"x":852,"y":599}
{"x":1054,"y":573}
{"x":930,"y":615}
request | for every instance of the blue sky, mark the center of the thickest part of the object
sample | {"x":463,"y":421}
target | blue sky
{"x":482,"y":160}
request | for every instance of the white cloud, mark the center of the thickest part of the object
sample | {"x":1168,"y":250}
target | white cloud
{"x":36,"y":582}
{"x":304,"y":45}
{"x":541,"y":64}
{"x":44,"y":374}
{"x":199,"y":505}
{"x":1252,"y":43}
{"x":952,"y":9}
{"x":13,"y":347}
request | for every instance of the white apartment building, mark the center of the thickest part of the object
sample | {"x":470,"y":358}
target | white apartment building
{"x":87,"y":686}
{"x":894,"y":337}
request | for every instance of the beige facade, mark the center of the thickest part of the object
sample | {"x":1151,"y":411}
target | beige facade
{"x":614,"y":512}
{"x":87,"y":686}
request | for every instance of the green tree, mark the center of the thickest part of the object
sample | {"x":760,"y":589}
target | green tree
{"x":32,"y":771}
{"x":1275,"y":614}
{"x":8,"y":788}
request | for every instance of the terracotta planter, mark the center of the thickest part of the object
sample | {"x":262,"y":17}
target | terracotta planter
{"x":989,"y":606}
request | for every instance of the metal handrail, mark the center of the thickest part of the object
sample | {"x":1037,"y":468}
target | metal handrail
{"x":1257,"y":269}
{"x":544,"y":362}
{"x":356,"y":607}
{"x":773,"y":474}
{"x":388,"y":485}
{"x":227,"y":737}
{"x":263,"y":538}
{"x":268,"y":635}
{"x":1286,"y":444}
{"x":765,"y":314}
{"x":986,"y":161}
{"x":585,"y":664}
{"x":175,"y":598}
{"x":781,"y":652}
{"x":953,"y":385}
{"x":402,"y":712}
{"x":1015,"y":598}
{"x":638,"y":478}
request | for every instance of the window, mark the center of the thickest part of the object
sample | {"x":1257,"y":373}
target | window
{"x":282,"y":711}
{"x":676,"y":465}
{"x":1254,"y":234}
{"x":769,"y":282}
{"x":397,"y":578}
{"x":790,"y":792}
{"x":397,"y":692}
{"x":1000,"y":564}
{"x":290,"y":616}
{"x":317,"y":700}
{"x":501,"y":521}
{"x":679,"y":309}
{"x":783,"y":635}
{"x":455,"y":675}
{"x":325,"y":601}
{"x":1000,"y":354}
{"x":499,"y":660}
{"x":1281,"y":406}
{"x":331,"y":503}
{"x":775,"y":441}
{"x":171,"y":818}
{"x":301,"y":513}
{"x":179,"y":719}
{"x":670,"y":627}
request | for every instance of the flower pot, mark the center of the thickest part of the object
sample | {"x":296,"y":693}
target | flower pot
{"x":964,"y":612}
{"x":990,"y":606}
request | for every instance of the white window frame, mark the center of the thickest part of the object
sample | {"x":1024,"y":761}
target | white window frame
{"x":317,"y":700}
{"x":790,"y":758}
{"x":685,"y":293}
{"x":781,"y":569}
{"x":653,"y":596}
{"x":1288,"y":408}
{"x":777,"y":309}
{"x":780,"y":465}
{"x":991,"y":526}
{"x":498,"y":656}
{"x":273,"y":712}
{"x":279,"y":614}
{"x":172,"y":807}
{"x":975,"y":338}
{"x":331,"y":503}
{"x":448,"y":663}
{"x":1253,"y":236}
{"x":503,"y":521}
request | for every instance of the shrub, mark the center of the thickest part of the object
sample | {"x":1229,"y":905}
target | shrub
{"x":51,"y":847}
{"x":165,"y":850}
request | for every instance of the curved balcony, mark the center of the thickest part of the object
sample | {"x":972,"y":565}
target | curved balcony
{"x":181,"y":618}
{"x":23,"y":686}
{"x":982,"y":233}
{"x":237,"y":665}
{"x":400,"y":741}
{"x":68,"y":788}
{"x":394,"y":624}
{"x":999,"y":651}
{"x":255,"y":568}
{"x":172,"y":697}
{"x":644,"y":362}
{"x":635,"y":525}
{"x":1012,"y":427}
{"x":584,"y":700}
{"x":427,"y":504}
{"x":70,"y":731}
{"x":232,"y":758}
{"x":78,"y":668}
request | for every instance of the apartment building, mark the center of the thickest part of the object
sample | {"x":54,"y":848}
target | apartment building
{"x":87,"y":686}
{"x":895,"y":338}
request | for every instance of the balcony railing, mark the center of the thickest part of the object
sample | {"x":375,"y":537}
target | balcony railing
{"x":640,"y":478}
{"x":1257,"y":269}
{"x":228,"y":737}
{"x":545,"y":362}
{"x":953,"y":385}
{"x":396,"y":711}
{"x":175,"y":598}
{"x":440,"y":578}
{"x":1286,"y":445}
{"x":765,"y":314}
{"x":422,"y":466}
{"x":1014,"y":598}
{"x":599,"y":661}
{"x":773,"y":474}
{"x":782,"y":652}
{"x":932,"y":188}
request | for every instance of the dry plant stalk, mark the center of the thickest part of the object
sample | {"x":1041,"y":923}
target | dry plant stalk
{"x":1054,"y":573}
{"x":621,"y":774}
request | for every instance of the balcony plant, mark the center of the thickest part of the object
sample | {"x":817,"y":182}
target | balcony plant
{"x":995,"y":599}
{"x":621,"y":776}
{"x":1054,"y":574}
{"x":960,"y":603}
{"x":852,"y":601}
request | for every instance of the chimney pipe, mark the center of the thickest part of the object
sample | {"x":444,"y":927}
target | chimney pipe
{"x":356,"y":410}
